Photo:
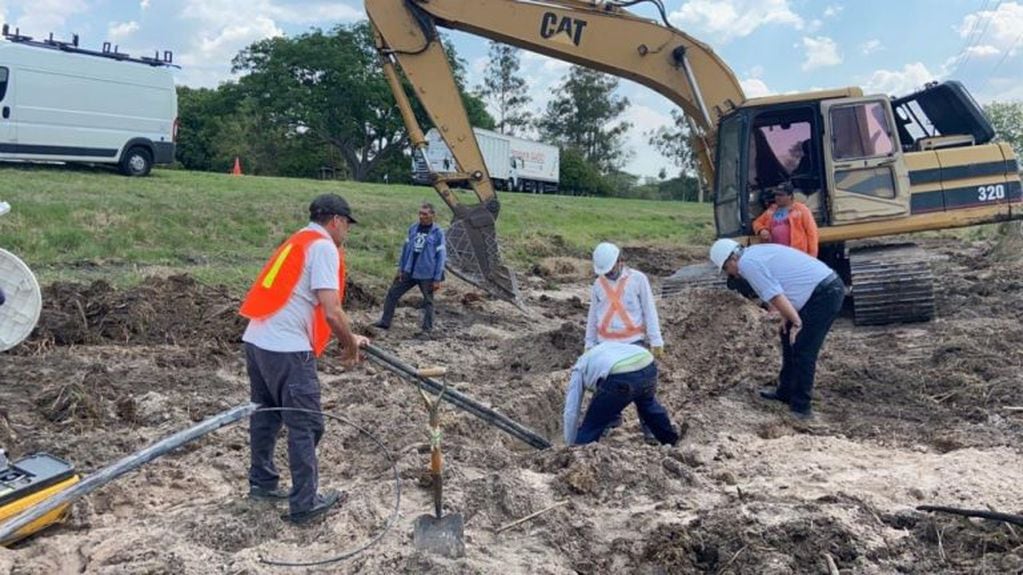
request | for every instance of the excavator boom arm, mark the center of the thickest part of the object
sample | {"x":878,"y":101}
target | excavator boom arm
{"x":595,"y":34}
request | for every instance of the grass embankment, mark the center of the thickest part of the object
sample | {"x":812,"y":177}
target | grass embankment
{"x":83,"y":224}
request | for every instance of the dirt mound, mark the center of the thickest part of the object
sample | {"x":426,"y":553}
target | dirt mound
{"x":544,"y":352}
{"x":173,"y":310}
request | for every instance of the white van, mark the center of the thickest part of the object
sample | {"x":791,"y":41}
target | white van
{"x":59,"y":102}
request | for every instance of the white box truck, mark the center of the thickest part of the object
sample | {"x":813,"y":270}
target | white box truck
{"x":514,"y":163}
{"x":62,"y":103}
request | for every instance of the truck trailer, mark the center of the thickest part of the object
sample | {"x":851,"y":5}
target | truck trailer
{"x":515,"y":164}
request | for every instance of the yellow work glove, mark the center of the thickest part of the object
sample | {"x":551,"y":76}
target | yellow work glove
{"x":658,"y":352}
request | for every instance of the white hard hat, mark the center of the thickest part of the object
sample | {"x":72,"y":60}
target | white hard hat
{"x":722,"y":250}
{"x":605,"y":256}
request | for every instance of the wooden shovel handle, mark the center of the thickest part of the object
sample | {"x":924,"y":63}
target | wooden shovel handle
{"x":436,"y":371}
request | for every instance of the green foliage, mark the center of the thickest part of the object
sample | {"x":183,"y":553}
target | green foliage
{"x":1007,"y":119}
{"x":506,"y":89}
{"x":578,"y":176}
{"x":585,"y":116}
{"x":304,"y":103}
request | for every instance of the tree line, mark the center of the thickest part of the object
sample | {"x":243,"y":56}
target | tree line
{"x":317,"y":105}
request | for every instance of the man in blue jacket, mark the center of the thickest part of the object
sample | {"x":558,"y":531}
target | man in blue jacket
{"x":421,"y":264}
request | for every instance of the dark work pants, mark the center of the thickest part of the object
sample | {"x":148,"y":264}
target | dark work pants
{"x":399,"y":288}
{"x":799,"y":361}
{"x":615,"y":393}
{"x":285,"y":380}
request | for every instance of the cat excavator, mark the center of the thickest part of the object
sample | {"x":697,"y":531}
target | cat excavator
{"x":867,"y":166}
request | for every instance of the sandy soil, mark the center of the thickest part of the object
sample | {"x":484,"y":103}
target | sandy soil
{"x":907,"y":415}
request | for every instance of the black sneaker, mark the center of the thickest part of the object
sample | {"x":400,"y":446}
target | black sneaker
{"x":381,"y":325}
{"x":322,"y":505}
{"x":768,"y":393}
{"x":805,"y":416}
{"x":260,"y":494}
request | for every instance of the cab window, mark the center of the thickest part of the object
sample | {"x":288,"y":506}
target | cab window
{"x":861,"y":131}
{"x":4,"y":74}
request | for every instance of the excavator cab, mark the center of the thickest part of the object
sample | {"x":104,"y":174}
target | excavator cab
{"x":842,"y":156}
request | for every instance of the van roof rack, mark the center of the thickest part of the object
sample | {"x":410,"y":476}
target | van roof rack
{"x":109,"y":50}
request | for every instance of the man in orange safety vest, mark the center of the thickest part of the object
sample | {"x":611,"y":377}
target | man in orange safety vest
{"x":293,"y":308}
{"x":622,"y":308}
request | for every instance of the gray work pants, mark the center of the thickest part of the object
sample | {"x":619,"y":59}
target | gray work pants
{"x":279,"y":379}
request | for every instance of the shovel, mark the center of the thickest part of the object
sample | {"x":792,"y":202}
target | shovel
{"x":438,"y":533}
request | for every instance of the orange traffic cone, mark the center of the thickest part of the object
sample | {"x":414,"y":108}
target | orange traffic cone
{"x":237,"y":170}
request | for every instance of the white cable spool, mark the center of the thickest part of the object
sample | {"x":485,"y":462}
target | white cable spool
{"x":20,"y":313}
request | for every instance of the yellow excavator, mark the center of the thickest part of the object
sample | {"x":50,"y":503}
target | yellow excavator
{"x":867,"y":166}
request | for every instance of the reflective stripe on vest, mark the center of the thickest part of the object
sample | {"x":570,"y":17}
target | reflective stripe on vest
{"x":275,"y":284}
{"x":615,"y":307}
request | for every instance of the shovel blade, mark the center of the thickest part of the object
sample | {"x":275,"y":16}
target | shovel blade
{"x":444,"y":536}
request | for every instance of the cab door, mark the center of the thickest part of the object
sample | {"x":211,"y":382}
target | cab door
{"x":866,"y":172}
{"x":8,"y":129}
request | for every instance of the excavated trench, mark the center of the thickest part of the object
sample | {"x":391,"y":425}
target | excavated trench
{"x":907,"y":415}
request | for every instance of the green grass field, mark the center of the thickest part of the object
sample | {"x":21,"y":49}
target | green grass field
{"x":84,"y":223}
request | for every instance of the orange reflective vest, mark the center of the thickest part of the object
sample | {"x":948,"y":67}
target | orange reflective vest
{"x":278,"y":279}
{"x":615,"y":307}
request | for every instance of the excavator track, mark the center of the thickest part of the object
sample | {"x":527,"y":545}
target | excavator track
{"x":891,"y":284}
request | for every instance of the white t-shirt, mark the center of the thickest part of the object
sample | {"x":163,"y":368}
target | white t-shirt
{"x":772,"y":269}
{"x":290,"y":329}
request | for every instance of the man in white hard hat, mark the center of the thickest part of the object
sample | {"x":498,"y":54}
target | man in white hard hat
{"x":807,"y":294}
{"x":622,"y":309}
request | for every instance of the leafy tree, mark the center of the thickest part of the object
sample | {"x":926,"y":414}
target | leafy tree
{"x":585,"y":118}
{"x":1007,"y":119}
{"x":579,"y":176}
{"x":505,"y":89}
{"x":200,"y":113}
{"x":329,"y":86}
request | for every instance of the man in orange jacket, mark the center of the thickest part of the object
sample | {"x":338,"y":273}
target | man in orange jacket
{"x":293,"y":308}
{"x":788,"y":222}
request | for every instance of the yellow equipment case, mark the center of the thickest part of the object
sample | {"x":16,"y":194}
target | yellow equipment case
{"x":31,"y":480}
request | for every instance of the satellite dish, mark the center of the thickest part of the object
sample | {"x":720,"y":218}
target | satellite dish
{"x":20,"y":311}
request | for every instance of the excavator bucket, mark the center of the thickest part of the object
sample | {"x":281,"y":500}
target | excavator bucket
{"x":473,"y":252}
{"x":692,"y":277}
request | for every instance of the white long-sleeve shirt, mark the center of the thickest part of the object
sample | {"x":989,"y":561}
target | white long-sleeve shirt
{"x":638,"y":301}
{"x":593,"y":366}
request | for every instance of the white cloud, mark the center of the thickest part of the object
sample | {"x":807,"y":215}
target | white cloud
{"x":871,"y":46}
{"x":725,"y":20}
{"x":997,"y":28}
{"x":821,"y":52}
{"x":982,"y":51}
{"x":833,"y":11}
{"x":644,"y":119}
{"x":911,"y":77}
{"x":755,"y":88}
{"x":41,"y":17}
{"x":143,"y":4}
{"x":121,"y":30}
{"x":221,"y":28}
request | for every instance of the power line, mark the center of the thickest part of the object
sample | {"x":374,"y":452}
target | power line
{"x":970,"y":35}
{"x":987,"y":25}
{"x":1011,"y":49}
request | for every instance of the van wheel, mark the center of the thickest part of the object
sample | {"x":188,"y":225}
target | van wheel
{"x":136,"y":162}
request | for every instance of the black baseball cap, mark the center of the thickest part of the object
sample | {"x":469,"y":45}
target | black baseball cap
{"x":330,"y":205}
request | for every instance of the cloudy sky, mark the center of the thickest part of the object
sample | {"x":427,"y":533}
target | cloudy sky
{"x":773,"y":46}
